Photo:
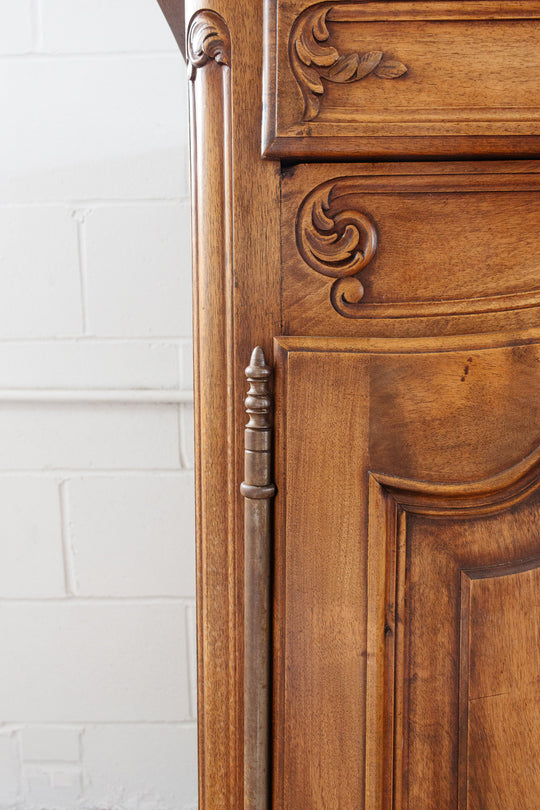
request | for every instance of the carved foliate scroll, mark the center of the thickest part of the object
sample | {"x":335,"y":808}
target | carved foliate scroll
{"x":336,"y":241}
{"x":208,"y":39}
{"x":314,"y":60}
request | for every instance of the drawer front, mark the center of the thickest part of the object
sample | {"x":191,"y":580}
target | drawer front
{"x":403,"y":78}
{"x":410,"y":248}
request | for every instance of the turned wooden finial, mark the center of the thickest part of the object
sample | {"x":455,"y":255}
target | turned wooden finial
{"x":258,"y":400}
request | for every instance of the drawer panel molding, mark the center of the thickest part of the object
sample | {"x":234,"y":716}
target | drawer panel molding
{"x":409,"y":241}
{"x":464,"y":79}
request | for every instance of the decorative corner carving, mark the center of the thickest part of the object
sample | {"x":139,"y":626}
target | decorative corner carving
{"x":208,"y":39}
{"x":337,"y":242}
{"x":313,"y":60}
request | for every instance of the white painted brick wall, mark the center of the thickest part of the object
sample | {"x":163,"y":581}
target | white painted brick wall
{"x":95,"y":364}
{"x":131,"y":523}
{"x":93,"y":660}
{"x":96,"y":127}
{"x":97,"y":582}
{"x":16,"y":26}
{"x":101,"y":26}
{"x":137,"y":254}
{"x":32,"y":564}
{"x":39,"y":283}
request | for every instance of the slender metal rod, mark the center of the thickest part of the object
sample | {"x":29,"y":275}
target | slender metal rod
{"x":258,"y":491}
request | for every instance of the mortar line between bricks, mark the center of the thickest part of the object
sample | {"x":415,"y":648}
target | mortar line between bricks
{"x":96,"y":202}
{"x":80,"y":218}
{"x":37,"y":27}
{"x":83,"y":724}
{"x":180,"y":601}
{"x":82,"y":473}
{"x":69,"y":580}
{"x":187,"y":662}
{"x":170,"y":342}
{"x":191,"y":661}
{"x":97,"y":396}
{"x":52,"y":339}
{"x":181,"y":454}
{"x":46,"y":56}
{"x":67,"y":764}
{"x":81,"y":761}
{"x":18,"y":745}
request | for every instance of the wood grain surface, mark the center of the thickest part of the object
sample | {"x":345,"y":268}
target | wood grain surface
{"x":456,"y":247}
{"x":408,"y":504}
{"x":404,"y":299}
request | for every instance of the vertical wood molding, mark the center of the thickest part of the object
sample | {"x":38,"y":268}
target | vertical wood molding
{"x":258,"y":490}
{"x":209,"y":54}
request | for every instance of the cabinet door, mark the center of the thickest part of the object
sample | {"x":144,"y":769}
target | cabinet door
{"x":407,"y":573}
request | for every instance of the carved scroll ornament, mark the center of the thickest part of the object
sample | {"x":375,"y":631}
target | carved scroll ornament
{"x":336,"y":241}
{"x":314,"y":59}
{"x":208,"y":39}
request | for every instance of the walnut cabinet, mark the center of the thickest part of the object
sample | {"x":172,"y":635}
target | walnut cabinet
{"x":366,"y":212}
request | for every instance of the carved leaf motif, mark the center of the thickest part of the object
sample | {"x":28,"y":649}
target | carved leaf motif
{"x":368,"y":62}
{"x":319,"y":219}
{"x":312,"y":53}
{"x":344,"y":69}
{"x":391,"y":69}
{"x":313,"y":59}
{"x":320,"y":30}
{"x":331,"y":248}
{"x":302,"y":50}
{"x":353,"y":67}
{"x":208,"y":38}
{"x":308,"y":44}
{"x":313,"y":80}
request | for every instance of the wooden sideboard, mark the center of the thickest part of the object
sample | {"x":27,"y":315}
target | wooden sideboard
{"x":366,"y":211}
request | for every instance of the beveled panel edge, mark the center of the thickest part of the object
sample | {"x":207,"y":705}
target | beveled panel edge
{"x":288,"y":344}
{"x":399,"y":148}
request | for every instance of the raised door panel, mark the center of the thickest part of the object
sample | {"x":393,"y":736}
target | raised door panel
{"x":499,"y":708}
{"x":407,"y":558}
{"x":452,"y":644}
